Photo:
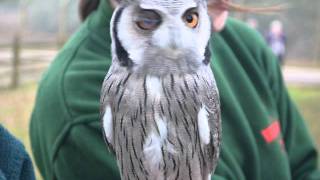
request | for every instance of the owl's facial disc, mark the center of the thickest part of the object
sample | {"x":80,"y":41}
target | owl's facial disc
{"x":157,"y":33}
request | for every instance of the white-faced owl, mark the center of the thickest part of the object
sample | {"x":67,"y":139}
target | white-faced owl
{"x":160,"y":105}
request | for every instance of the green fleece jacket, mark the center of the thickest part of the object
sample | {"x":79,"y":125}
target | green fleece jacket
{"x":264,"y":136}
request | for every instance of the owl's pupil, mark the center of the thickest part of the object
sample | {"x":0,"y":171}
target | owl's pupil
{"x":189,"y":18}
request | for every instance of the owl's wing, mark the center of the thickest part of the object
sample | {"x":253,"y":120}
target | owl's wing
{"x":211,"y":101}
{"x":106,"y":113}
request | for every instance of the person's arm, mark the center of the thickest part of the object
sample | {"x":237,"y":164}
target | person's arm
{"x":84,"y":155}
{"x":300,"y":148}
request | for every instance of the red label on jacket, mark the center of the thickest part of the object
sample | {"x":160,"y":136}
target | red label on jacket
{"x":272,"y":132}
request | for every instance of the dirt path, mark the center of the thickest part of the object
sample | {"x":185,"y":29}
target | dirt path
{"x":301,"y":75}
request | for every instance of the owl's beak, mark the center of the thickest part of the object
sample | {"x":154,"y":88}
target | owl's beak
{"x":175,"y":39}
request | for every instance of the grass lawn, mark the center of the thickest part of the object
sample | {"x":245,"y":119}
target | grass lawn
{"x":16,"y":106}
{"x":308,"y":101}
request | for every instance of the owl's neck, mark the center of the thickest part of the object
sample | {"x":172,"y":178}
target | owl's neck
{"x":160,"y":63}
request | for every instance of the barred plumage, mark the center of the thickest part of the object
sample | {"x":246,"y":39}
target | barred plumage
{"x":161,"y":113}
{"x":142,"y":118}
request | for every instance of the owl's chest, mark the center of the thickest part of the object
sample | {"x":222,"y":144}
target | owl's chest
{"x":156,"y":120}
{"x":180,"y":95}
{"x":169,"y":107}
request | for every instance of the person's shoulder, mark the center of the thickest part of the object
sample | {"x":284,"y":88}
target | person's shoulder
{"x":52,"y":83}
{"x":68,"y":94}
{"x":74,"y":78}
{"x":247,"y":44}
{"x":248,"y":36}
{"x":69,"y":91}
{"x":51,"y":113}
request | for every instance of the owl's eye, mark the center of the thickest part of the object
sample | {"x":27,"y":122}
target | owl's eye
{"x":148,"y":24}
{"x":148,"y":20}
{"x":191,"y":19}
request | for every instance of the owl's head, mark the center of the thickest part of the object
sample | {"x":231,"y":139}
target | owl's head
{"x":161,"y":36}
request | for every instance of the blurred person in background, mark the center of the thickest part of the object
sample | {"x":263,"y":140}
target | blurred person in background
{"x":277,"y":40}
{"x":264,"y":135}
{"x":253,"y":23}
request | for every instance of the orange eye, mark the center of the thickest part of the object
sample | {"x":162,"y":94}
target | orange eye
{"x":192,"y":19}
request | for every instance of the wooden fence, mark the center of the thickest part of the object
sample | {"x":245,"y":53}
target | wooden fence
{"x":22,"y":63}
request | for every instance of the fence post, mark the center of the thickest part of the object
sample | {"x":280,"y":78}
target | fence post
{"x":15,"y":61}
{"x":62,"y":22}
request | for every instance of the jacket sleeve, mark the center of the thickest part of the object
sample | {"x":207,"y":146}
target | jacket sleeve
{"x":301,"y":150}
{"x":85,"y":155}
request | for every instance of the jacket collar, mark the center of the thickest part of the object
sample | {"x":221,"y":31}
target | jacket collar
{"x":101,"y":17}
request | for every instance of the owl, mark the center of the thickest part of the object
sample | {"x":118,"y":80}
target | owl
{"x":160,"y":107}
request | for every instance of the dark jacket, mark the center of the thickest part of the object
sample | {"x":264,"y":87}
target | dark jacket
{"x":15,"y":163}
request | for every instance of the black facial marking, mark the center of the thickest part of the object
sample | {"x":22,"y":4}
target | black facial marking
{"x":207,"y":55}
{"x":122,"y":54}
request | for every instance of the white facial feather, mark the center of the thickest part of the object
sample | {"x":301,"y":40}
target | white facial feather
{"x":161,"y":37}
{"x":132,"y":41}
{"x":205,"y":24}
